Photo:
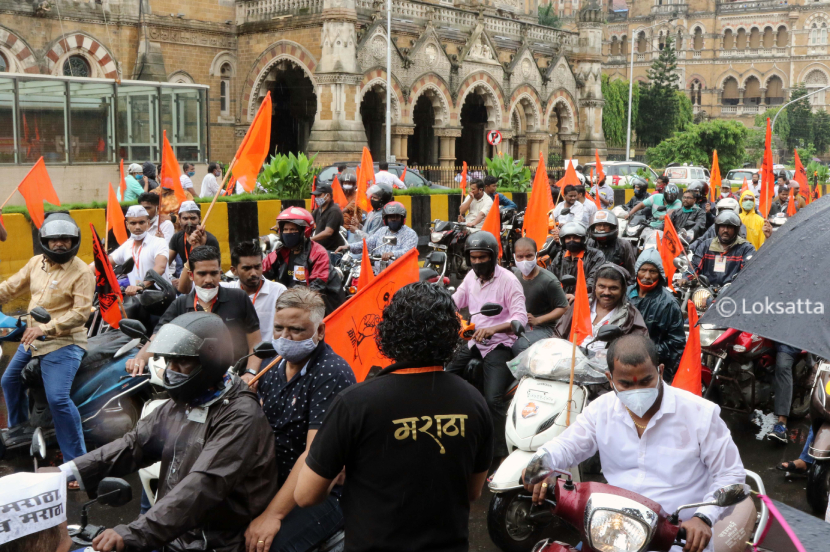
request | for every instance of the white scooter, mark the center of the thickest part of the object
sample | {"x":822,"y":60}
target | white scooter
{"x":538,"y":414}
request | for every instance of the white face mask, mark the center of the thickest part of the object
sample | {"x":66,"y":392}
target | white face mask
{"x":140,"y":237}
{"x":526,"y":267}
{"x":639,"y":401}
{"x":206,"y":295}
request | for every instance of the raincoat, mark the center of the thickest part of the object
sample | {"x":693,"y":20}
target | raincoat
{"x":564,"y":264}
{"x":753,"y":222}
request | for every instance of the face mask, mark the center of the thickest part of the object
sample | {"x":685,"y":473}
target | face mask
{"x":139,"y":177}
{"x":294,"y":351}
{"x":139,"y":237}
{"x":638,"y":401}
{"x":348,"y":187}
{"x":206,"y":295}
{"x":291,"y":240}
{"x":375,"y":204}
{"x":748,"y":205}
{"x":484,"y":270}
{"x":526,"y":267}
{"x":174,"y":378}
{"x":191,"y":173}
{"x":395,"y":225}
{"x":320,"y":201}
{"x":574,"y":246}
{"x":639,"y":192}
{"x":647,"y":287}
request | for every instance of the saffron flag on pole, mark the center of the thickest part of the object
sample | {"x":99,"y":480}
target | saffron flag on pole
{"x":801,"y":177}
{"x":367,"y":274}
{"x":581,"y":320}
{"x":36,"y":187}
{"x":535,"y":225}
{"x":122,"y":184}
{"x":600,"y":171}
{"x":350,"y":330}
{"x":688,"y":374}
{"x":254,"y":147}
{"x":492,"y":223}
{"x":170,"y":178}
{"x":715,"y":178}
{"x":337,"y":194}
{"x":791,"y":209}
{"x":403,"y":175}
{"x":671,"y":248}
{"x":106,"y":284}
{"x":767,"y":176}
{"x":365,"y":180}
{"x":115,"y":217}
{"x":744,"y":186}
{"x":463,"y":182}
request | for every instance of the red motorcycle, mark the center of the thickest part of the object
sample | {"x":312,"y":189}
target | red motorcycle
{"x":743,"y":372}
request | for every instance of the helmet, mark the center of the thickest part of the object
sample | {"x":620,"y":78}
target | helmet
{"x":298,"y":216}
{"x":572,"y":229}
{"x":394,"y":208}
{"x":482,"y":241}
{"x":728,"y":203}
{"x":671,"y":192}
{"x":604,"y":217}
{"x":728,"y":218}
{"x":59,"y":225}
{"x":199,"y":335}
{"x":638,"y":183}
{"x":700,"y":188}
{"x":383,"y":193}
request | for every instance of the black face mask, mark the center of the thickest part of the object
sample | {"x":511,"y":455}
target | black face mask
{"x":375,"y":204}
{"x":485,"y":270}
{"x":640,"y":192}
{"x":291,"y":240}
{"x":574,"y":246}
{"x":395,"y":225}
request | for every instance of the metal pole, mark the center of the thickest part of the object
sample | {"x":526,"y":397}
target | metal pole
{"x":388,"y":80}
{"x":780,"y":109}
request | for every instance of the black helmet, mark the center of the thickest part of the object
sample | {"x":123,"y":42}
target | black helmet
{"x":671,"y":193}
{"x":482,"y":241}
{"x":572,"y":229}
{"x":59,"y":225}
{"x":199,"y":335}
{"x":699,"y":188}
{"x":384,"y":194}
{"x":604,"y":217}
{"x":639,"y":185}
{"x":394,"y":208}
{"x":727,"y":218}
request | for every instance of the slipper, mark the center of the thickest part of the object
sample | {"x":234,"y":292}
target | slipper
{"x":790,"y":467}
{"x":73,"y":486}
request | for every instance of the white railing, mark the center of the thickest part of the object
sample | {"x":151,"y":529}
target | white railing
{"x":748,"y":109}
{"x":260,"y":10}
{"x":696,"y":54}
{"x":641,"y":57}
{"x":760,"y":5}
{"x":668,"y":9}
{"x":729,"y":109}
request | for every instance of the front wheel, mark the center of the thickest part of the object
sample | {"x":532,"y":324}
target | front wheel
{"x":818,"y":486}
{"x":509,"y":525}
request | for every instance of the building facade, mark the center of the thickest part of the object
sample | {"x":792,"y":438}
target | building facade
{"x":735,"y":59}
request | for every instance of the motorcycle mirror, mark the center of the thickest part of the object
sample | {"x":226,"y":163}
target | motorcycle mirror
{"x":114,"y":492}
{"x":566,"y":211}
{"x":265,"y":350}
{"x":568,"y":280}
{"x":517,"y":328}
{"x":609,"y":333}
{"x":38,"y":447}
{"x":133,"y":329}
{"x":731,"y":494}
{"x":150,"y":297}
{"x":491,"y":309}
{"x":451,"y":289}
{"x":661,"y":208}
{"x":680,"y":263}
{"x":703,"y":280}
{"x":390,"y":240}
{"x":40,"y":315}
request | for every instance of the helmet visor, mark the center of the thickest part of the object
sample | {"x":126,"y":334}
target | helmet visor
{"x":173,"y":340}
{"x":58,"y":228}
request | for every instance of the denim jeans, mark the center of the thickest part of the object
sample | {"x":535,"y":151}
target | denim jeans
{"x":305,"y":528}
{"x":58,"y":369}
{"x":805,"y":453}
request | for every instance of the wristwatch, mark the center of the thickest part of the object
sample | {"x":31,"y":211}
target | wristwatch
{"x":254,"y":373}
{"x":704,"y":519}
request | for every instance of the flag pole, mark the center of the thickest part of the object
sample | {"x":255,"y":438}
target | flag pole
{"x":219,"y":191}
{"x":106,"y":237}
{"x":262,"y":372}
{"x":571,"y":383}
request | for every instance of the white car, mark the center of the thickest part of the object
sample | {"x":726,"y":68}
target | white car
{"x":683,"y":175}
{"x":736,"y":176}
{"x":619,"y":173}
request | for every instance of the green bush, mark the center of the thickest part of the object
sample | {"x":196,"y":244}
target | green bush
{"x":511,"y":174}
{"x":288,"y":176}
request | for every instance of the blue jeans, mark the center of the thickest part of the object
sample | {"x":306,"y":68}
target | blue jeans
{"x":805,"y":452}
{"x":58,"y":369}
{"x":304,"y":528}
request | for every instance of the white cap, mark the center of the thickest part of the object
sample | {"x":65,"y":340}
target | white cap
{"x":188,"y":207}
{"x":134,"y":168}
{"x":31,"y":503}
{"x":137,"y":211}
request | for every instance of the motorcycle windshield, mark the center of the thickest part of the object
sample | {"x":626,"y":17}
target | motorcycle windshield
{"x":173,"y":340}
{"x":551,"y":359}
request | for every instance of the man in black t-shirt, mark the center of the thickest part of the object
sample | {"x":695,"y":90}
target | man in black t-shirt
{"x":190,"y":219}
{"x":416,"y":442}
{"x":328,"y":218}
{"x":545,"y":299}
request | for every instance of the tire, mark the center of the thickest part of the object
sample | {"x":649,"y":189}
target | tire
{"x":506,"y":525}
{"x":802,"y":391}
{"x":818,"y":486}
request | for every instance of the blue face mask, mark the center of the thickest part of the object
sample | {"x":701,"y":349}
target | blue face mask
{"x":139,"y":177}
{"x":294,"y":351}
{"x":191,"y":173}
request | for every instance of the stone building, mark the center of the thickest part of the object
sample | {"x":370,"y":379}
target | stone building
{"x":734,"y":58}
{"x":458,"y":70}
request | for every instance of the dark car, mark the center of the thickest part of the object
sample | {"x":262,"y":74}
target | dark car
{"x":412,"y":179}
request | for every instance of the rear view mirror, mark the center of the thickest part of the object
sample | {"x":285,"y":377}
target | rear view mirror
{"x":517,"y":328}
{"x":150,"y":297}
{"x":731,"y":494}
{"x":568,"y":280}
{"x":565,"y":211}
{"x":133,"y":329}
{"x":491,"y":309}
{"x":681,"y":263}
{"x":264,"y":350}
{"x":390,"y":240}
{"x":40,"y":315}
{"x":661,"y":208}
{"x":38,"y":447}
{"x":114,"y":492}
{"x":609,"y":333}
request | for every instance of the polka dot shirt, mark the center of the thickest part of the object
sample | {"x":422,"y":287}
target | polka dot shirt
{"x":294,"y":407}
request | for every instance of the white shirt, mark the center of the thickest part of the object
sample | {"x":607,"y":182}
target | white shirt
{"x":577,"y":213}
{"x":143,"y":253}
{"x":264,"y":305}
{"x":478,"y":206}
{"x":186,"y":182}
{"x":685,"y":453}
{"x":166,"y":228}
{"x":589,"y":209}
{"x":209,"y":186}
{"x":386,"y":177}
{"x":756,"y":190}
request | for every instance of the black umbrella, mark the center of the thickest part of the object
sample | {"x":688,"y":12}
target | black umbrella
{"x":782,"y":293}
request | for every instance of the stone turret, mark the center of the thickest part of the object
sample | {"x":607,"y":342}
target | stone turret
{"x":588,"y":70}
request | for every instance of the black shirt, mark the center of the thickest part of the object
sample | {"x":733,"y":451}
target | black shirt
{"x":178,"y":241}
{"x":543,"y":294}
{"x":410,"y":444}
{"x":294,"y":407}
{"x":332,"y":217}
{"x":234,"y":308}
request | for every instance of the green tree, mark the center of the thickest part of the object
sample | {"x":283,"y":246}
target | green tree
{"x":800,"y":115}
{"x":615,"y":110}
{"x":782,"y":124}
{"x":695,"y":145}
{"x":547,"y":17}
{"x":685,"y":115}
{"x":821,"y":131}
{"x":659,"y":100}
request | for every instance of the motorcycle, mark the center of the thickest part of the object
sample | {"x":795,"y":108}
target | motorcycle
{"x":612,"y":519}
{"x":536,"y":416}
{"x":778,"y":221}
{"x":350,"y":265}
{"x":511,"y":230}
{"x":818,"y":478}
{"x":449,"y":237}
{"x":474,"y":371}
{"x":113,"y":492}
{"x":147,"y":305}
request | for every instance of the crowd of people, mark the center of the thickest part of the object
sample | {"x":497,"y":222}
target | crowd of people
{"x":282,"y":462}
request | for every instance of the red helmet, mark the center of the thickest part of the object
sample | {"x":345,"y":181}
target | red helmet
{"x":394,"y":208}
{"x":298,"y":216}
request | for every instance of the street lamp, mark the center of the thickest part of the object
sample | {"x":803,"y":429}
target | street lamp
{"x":388,"y":80}
{"x":631,"y":89}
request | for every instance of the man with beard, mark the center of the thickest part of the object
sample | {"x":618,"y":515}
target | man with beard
{"x":159,"y":227}
{"x":603,"y":234}
{"x":689,"y":217}
{"x":721,"y":259}
{"x":145,"y":250}
{"x":192,"y":234}
{"x":573,"y":241}
{"x":62,"y":284}
{"x":576,"y":211}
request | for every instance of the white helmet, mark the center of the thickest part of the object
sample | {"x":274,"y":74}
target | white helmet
{"x":728,"y":203}
{"x":134,"y":168}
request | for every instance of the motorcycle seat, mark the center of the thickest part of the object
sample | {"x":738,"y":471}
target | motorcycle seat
{"x":426,"y":273}
{"x":32,"y":375}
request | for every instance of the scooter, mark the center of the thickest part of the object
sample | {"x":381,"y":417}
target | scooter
{"x":511,"y":231}
{"x":537,"y":415}
{"x":449,"y":237}
{"x":818,"y":478}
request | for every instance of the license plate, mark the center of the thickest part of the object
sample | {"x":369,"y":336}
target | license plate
{"x":540,"y":396}
{"x":507,"y":227}
{"x":438,"y":246}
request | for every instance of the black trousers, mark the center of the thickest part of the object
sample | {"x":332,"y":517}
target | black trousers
{"x":497,"y":380}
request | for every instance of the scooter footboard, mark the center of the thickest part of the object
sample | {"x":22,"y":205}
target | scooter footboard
{"x":820,"y":449}
{"x":509,"y":474}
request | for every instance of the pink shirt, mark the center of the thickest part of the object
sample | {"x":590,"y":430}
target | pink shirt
{"x":503,"y":288}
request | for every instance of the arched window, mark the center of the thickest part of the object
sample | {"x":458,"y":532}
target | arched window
{"x":781,"y":38}
{"x":818,"y":34}
{"x":741,"y":40}
{"x":661,"y":41}
{"x":679,"y":41}
{"x":769,"y":38}
{"x":775,"y":91}
{"x":816,"y":79}
{"x":615,"y":46}
{"x":728,"y":39}
{"x":694,"y":92}
{"x":76,"y":66}
{"x":4,"y":64}
{"x":755,"y":38}
{"x":752,"y":91}
{"x":225,"y":89}
{"x":642,"y":45}
{"x":730,"y":91}
{"x":624,"y":45}
{"x":698,"y":45}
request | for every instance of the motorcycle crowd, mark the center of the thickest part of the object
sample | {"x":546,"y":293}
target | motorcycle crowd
{"x":249,"y":432}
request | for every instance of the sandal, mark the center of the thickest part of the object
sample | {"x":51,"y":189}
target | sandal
{"x":73,"y":486}
{"x":790,"y":467}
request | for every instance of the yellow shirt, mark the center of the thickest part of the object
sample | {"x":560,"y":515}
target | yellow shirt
{"x":64,"y":290}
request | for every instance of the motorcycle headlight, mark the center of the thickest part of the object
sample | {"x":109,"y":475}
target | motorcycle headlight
{"x":618,"y":524}
{"x":632,"y":230}
{"x":5,"y":332}
{"x":701,"y":298}
{"x":435,"y":237}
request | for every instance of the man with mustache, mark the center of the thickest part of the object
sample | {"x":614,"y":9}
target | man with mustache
{"x":147,"y":252}
{"x":192,"y":234}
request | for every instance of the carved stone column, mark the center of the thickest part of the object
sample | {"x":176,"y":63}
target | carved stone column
{"x":401,"y":134}
{"x":396,"y":147}
{"x":568,"y":142}
{"x":741,"y":96}
{"x":522,"y":141}
{"x":536,"y":140}
{"x":588,"y":59}
{"x":338,"y":133}
{"x":505,"y":147}
{"x":447,"y":137}
{"x":763,"y":96}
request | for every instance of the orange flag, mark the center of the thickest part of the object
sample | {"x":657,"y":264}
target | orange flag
{"x":367,"y":274}
{"x":463,"y":180}
{"x":365,"y":180}
{"x":791,"y":210}
{"x":672,"y":247}
{"x":403,"y":175}
{"x":492,"y":223}
{"x":254,"y":147}
{"x":350,"y":330}
{"x":570,"y":177}
{"x":106,"y":284}
{"x":688,"y":376}
{"x":714,"y":179}
{"x":535,"y":225}
{"x":337,"y":193}
{"x":744,"y":186}
{"x":767,"y":175}
{"x":115,"y":217}
{"x":171,"y":173}
{"x":123,"y":184}
{"x":36,"y":188}
{"x":596,"y":192}
{"x":801,"y":178}
{"x":600,"y":172}
{"x":581,"y":320}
